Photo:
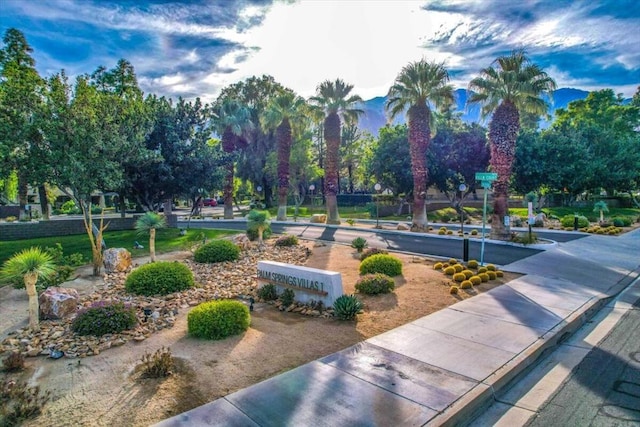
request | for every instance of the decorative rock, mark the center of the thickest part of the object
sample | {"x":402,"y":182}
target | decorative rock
{"x":58,"y":303}
{"x":318,"y":219}
{"x":242,"y":241}
{"x":116,"y":260}
{"x":403,"y":227}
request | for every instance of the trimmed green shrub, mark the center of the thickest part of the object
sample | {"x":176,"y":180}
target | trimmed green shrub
{"x":437,"y":266}
{"x":449,"y":271}
{"x":475,"y":280}
{"x":484,"y":277}
{"x":467,"y":273}
{"x":621,"y":221}
{"x":453,"y":290}
{"x":218,"y":319}
{"x":458,"y":268}
{"x":287,"y":297}
{"x":567,"y":221}
{"x":472,"y":263}
{"x":372,"y":251}
{"x":466,"y":284}
{"x":359,"y":244}
{"x":374,"y":284}
{"x":159,"y":278}
{"x":492,"y":275}
{"x":459,"y":277}
{"x":268,"y":292}
{"x":103,"y":318}
{"x":217,"y":251}
{"x":381,"y":263}
{"x":286,"y":240}
{"x":346,"y":307}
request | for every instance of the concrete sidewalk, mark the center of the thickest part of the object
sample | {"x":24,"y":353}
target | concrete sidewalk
{"x":442,"y":368}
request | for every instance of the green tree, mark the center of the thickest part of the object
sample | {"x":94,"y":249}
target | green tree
{"x":280,"y":112}
{"x":29,"y":265}
{"x":351,"y":152}
{"x":335,"y":100}
{"x":388,"y":159}
{"x":149,"y":223}
{"x":511,"y":87}
{"x":418,"y":83}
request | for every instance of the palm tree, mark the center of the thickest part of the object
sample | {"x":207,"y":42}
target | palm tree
{"x":150,"y":222}
{"x":334,"y":99}
{"x":511,"y":87}
{"x":280,"y":113}
{"x":417,"y":84}
{"x":232,"y":120}
{"x":29,"y":265}
{"x":601,"y":207}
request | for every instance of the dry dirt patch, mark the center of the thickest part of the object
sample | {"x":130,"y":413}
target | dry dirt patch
{"x":106,"y":389}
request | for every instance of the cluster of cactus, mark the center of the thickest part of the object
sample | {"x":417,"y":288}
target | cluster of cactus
{"x":464,"y":276}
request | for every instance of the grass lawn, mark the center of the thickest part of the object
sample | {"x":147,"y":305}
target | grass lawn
{"x":167,"y":240}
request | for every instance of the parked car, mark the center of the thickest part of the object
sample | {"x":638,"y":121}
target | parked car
{"x":209,"y":202}
{"x":220,"y":200}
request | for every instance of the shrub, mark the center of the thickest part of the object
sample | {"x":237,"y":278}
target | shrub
{"x":458,"y":268}
{"x":490,"y":267}
{"x":346,"y":307}
{"x":484,"y":277}
{"x":567,"y":221}
{"x":459,"y":277}
{"x":268,"y":292}
{"x":483,"y":270}
{"x":287,"y":240}
{"x":103,"y":318}
{"x":492,"y":275}
{"x":374,"y":284}
{"x":467,"y":273}
{"x":287,"y":297}
{"x":437,"y":266}
{"x":252,"y":233}
{"x":159,"y":278}
{"x":472,"y":263}
{"x":217,"y":251}
{"x":157,"y":365}
{"x":218,"y":319}
{"x":449,"y":271}
{"x":453,"y":290}
{"x":475,"y":280}
{"x":499,"y":273}
{"x":20,"y":402}
{"x":351,"y":221}
{"x":11,"y":219}
{"x":621,"y":221}
{"x":359,"y":244}
{"x":13,"y":362}
{"x":466,"y":284}
{"x":381,"y":263}
{"x":372,"y":251}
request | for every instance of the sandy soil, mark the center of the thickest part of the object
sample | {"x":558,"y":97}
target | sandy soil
{"x":107,"y":389}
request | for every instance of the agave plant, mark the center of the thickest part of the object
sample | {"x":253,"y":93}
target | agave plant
{"x":30,"y":265}
{"x":149,"y":223}
{"x":346,"y":307}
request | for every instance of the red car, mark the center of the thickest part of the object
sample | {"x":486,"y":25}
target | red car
{"x":209,"y":202}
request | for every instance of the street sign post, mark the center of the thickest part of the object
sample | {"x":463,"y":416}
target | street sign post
{"x":486,"y":178}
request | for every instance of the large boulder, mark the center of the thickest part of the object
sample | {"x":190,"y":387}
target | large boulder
{"x":58,"y":303}
{"x":116,"y":260}
{"x":403,"y":227}
{"x":318,"y":218}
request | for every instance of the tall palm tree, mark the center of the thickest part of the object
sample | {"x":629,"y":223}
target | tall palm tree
{"x":513,"y":86}
{"x":334,"y":99}
{"x":149,"y":223}
{"x":232,"y":120}
{"x":279,"y":114}
{"x":29,"y":265}
{"x":418,"y":84}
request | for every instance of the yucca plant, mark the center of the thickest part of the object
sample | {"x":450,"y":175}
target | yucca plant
{"x":258,"y":220}
{"x":30,"y":265}
{"x":346,"y":307}
{"x":149,"y":223}
{"x":601,"y":207}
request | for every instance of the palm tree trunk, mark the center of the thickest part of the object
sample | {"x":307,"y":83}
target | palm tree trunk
{"x":152,"y":244}
{"x":419,"y":139}
{"x":44,"y":201}
{"x":23,"y":190}
{"x":228,"y":145}
{"x":503,"y":132}
{"x":30,"y":280}
{"x":332,"y":136}
{"x":283,"y":139}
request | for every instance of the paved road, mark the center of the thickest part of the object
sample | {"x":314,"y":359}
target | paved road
{"x":604,"y":389}
{"x":423,"y":244}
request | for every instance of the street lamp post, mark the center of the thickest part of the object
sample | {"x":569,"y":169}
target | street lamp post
{"x":259,"y":190}
{"x":377,"y":187}
{"x":311,"y":189}
{"x":465,"y":239}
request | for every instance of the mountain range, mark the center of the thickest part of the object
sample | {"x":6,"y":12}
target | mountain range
{"x":375,"y":115}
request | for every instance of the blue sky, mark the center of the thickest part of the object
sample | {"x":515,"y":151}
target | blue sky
{"x":194,"y":48}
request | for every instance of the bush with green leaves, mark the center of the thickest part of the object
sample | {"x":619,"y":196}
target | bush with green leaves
{"x":359,"y":244}
{"x":568,"y":221}
{"x":374,"y":284}
{"x":268,"y":292}
{"x":346,"y":307}
{"x":287,"y":240}
{"x":218,"y":319}
{"x":69,"y":207}
{"x":104,"y":317}
{"x":621,"y":221}
{"x":381,"y":263}
{"x":287,"y":297}
{"x":217,"y":251}
{"x":159,"y":278}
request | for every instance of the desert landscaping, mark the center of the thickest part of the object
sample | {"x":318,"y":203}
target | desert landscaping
{"x":98,"y":382}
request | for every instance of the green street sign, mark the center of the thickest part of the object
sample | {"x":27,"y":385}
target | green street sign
{"x":486,"y":176}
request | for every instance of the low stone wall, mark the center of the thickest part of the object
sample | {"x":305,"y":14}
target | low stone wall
{"x":57,"y":227}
